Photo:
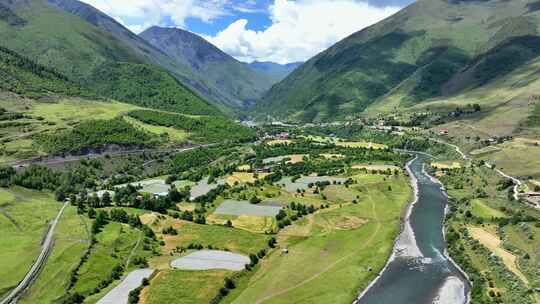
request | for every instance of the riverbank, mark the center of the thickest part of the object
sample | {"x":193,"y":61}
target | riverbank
{"x":418,"y":255}
{"x":406,"y":229}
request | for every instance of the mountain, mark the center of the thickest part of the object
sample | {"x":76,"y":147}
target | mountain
{"x":182,"y":70}
{"x":431,"y":50}
{"x":239,"y":85}
{"x":274,"y":70}
{"x":95,"y":57}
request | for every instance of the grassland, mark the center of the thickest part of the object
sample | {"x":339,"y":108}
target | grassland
{"x":518,"y":157}
{"x":184,"y":287}
{"x":22,"y":229}
{"x":71,"y":241}
{"x":330,"y":251}
{"x":482,"y":210}
{"x":235,"y":240}
{"x":114,"y":245}
{"x":172,"y":134}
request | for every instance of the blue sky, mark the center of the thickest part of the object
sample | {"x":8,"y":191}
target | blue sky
{"x":266,"y":30}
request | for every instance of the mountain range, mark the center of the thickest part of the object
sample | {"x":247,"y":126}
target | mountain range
{"x":274,"y":70}
{"x":434,"y":52}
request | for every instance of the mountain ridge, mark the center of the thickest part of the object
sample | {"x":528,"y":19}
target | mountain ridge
{"x":240,"y":85}
{"x":424,"y":50}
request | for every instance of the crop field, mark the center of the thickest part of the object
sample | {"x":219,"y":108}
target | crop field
{"x":244,"y":178}
{"x":303,"y":182}
{"x":151,"y":186}
{"x":256,"y":224}
{"x":184,"y":287}
{"x":278,"y":142}
{"x":330,"y":251}
{"x":361,"y":144}
{"x":22,"y":229}
{"x":230,"y":207}
{"x":446,"y":165}
{"x":235,"y":240}
{"x":374,"y":167}
{"x":494,"y":244}
{"x":291,"y":159}
{"x":203,"y":187}
{"x":211,"y":259}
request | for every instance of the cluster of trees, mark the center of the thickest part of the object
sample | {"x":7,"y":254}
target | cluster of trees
{"x":297,"y":211}
{"x":203,"y":128}
{"x":95,"y":135}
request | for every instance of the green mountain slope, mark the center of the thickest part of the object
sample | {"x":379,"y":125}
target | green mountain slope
{"x":431,"y":49}
{"x":238,"y":83}
{"x":83,"y":52}
{"x":26,"y":78}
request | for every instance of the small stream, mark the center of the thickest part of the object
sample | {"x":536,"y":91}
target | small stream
{"x":419,"y":271}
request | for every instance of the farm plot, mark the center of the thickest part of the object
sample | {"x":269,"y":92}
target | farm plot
{"x":375,"y":167}
{"x":244,"y":178}
{"x":290,"y":159}
{"x":120,"y":294}
{"x":153,"y":186}
{"x":203,"y":187}
{"x":211,"y":259}
{"x":238,"y":208}
{"x":303,"y":182}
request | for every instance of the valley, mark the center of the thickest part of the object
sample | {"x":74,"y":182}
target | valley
{"x":398,"y":165}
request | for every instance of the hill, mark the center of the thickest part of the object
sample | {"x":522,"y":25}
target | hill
{"x":274,"y":70}
{"x":431,"y":50}
{"x":239,"y":85}
{"x":93,"y":57}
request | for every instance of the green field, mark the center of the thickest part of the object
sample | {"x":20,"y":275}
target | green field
{"x":184,"y":287}
{"x":71,"y":241}
{"x":330,"y":251}
{"x":24,"y":215}
{"x":480,"y":209}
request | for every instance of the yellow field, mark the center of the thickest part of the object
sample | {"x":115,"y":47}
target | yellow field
{"x":243,"y":168}
{"x":257,"y":224}
{"x":361,"y":144}
{"x":446,"y":165}
{"x":244,"y":178}
{"x":376,"y":167}
{"x":278,"y":142}
{"x":494,"y":244}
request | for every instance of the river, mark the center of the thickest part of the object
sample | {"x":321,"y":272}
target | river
{"x":419,"y":271}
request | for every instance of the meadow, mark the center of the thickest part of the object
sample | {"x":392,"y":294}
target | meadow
{"x":22,"y":230}
{"x":331,"y":252}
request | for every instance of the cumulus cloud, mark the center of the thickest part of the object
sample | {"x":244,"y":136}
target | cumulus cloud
{"x":139,"y":14}
{"x":299,"y":30}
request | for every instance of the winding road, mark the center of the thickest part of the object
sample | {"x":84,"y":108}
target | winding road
{"x":32,"y":274}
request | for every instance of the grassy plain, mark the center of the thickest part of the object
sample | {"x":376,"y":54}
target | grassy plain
{"x":22,"y":229}
{"x":330,"y":251}
{"x":184,"y":287}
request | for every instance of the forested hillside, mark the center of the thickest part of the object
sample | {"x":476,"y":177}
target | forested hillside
{"x":89,"y":55}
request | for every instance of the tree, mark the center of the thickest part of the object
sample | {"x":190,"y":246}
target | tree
{"x":229,"y":284}
{"x":254,"y":200}
{"x":106,"y":199}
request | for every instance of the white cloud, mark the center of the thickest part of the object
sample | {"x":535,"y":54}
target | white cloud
{"x":299,"y":30}
{"x":139,"y":14}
